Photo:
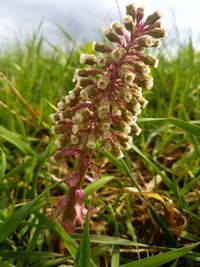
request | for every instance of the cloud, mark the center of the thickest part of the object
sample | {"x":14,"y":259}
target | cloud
{"x":83,"y":19}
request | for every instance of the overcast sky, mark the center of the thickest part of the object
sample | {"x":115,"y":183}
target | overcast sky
{"x":83,"y":19}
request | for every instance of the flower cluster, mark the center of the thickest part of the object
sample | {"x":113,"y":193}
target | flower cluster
{"x":107,"y":96}
{"x":105,"y":102}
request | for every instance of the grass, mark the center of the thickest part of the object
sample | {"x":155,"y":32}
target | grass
{"x":147,"y":205}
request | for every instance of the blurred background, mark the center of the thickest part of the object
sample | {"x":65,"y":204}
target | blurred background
{"x":83,"y":20}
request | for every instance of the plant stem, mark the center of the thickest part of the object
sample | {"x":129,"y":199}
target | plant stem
{"x":81,"y":169}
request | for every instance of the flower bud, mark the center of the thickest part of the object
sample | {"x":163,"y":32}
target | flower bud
{"x":105,"y":127}
{"x":128,"y":23}
{"x":59,"y":129}
{"x":142,"y":68}
{"x":127,"y":96}
{"x":151,"y":19}
{"x":55,"y":117}
{"x":128,"y":117}
{"x":127,"y":144}
{"x":103,"y":82}
{"x":116,"y":111}
{"x":155,"y":43}
{"x":63,"y":115}
{"x":111,"y":35}
{"x":91,"y":143}
{"x":75,"y":129}
{"x":85,"y":72}
{"x":130,"y":10}
{"x":139,"y":14}
{"x":103,"y":48}
{"x":136,"y":129}
{"x":128,"y":76}
{"x":157,"y":32}
{"x":102,"y":61}
{"x":74,"y":139}
{"x":84,"y":81}
{"x":61,"y":105}
{"x":62,"y":140}
{"x":145,"y":82}
{"x":88,"y":59}
{"x":144,"y":41}
{"x":117,"y":151}
{"x":67,"y":99}
{"x":118,"y":28}
{"x":150,"y":60}
{"x":118,"y":53}
{"x":124,"y":127}
{"x":78,"y":117}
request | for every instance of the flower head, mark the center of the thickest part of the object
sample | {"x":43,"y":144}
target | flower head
{"x":107,"y":96}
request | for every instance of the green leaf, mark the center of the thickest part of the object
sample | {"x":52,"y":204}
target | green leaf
{"x":161,"y":259}
{"x":16,"y":140}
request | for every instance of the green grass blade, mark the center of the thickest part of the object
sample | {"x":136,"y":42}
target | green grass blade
{"x":130,"y":174}
{"x":84,"y":253}
{"x":161,"y":259}
{"x":60,"y":231}
{"x":162,"y":226}
{"x":5,"y":264}
{"x":2,"y":165}
{"x":115,"y":258}
{"x":15,"y":219}
{"x":16,"y":140}
{"x":110,"y":240}
{"x":24,"y":255}
{"x":187,"y":126}
{"x":166,"y":180}
{"x":98,"y":184}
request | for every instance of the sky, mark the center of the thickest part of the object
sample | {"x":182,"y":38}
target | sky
{"x":84,"y":19}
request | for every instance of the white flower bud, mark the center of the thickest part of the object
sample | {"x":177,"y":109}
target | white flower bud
{"x":101,"y":61}
{"x":118,"y":28}
{"x":118,"y":53}
{"x":105,"y":126}
{"x":67,"y":99}
{"x":103,"y":82}
{"x":74,"y":139}
{"x":78,"y":117}
{"x":151,"y":19}
{"x":127,"y":96}
{"x":88,"y":59}
{"x":55,"y":117}
{"x":72,"y":95}
{"x":129,"y":77}
{"x":139,"y":14}
{"x":91,"y":144}
{"x":84,"y":94}
{"x":116,"y":111}
{"x":128,"y":23}
{"x":117,"y":151}
{"x":103,"y":48}
{"x":130,"y":10}
{"x":61,"y":105}
{"x":136,"y":129}
{"x":127,"y":145}
{"x":111,"y":35}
